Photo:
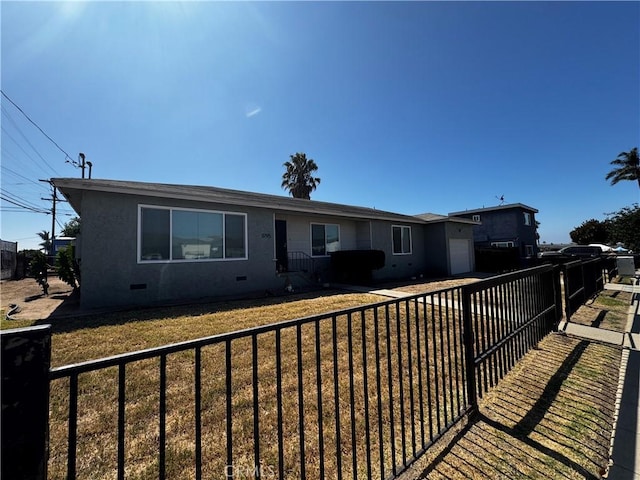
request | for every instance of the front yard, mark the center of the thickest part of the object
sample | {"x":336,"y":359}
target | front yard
{"x":551,"y":416}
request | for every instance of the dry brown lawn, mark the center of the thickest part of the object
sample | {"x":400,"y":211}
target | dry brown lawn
{"x":348,"y":342}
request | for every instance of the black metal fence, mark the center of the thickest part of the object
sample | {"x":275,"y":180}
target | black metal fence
{"x":583,"y":279}
{"x":506,"y":316}
{"x":359,"y":393}
{"x":356,"y":393}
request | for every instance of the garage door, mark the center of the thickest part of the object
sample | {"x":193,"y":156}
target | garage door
{"x":459,"y":255}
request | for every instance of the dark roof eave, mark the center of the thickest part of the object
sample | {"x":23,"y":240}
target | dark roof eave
{"x":431,"y":218}
{"x":225,"y":196}
{"x":499,"y":207}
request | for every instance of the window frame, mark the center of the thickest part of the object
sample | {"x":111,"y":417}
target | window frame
{"x":476,"y":217}
{"x":528,"y":220}
{"x":393,"y":245}
{"x":324,"y":225}
{"x":171,"y":209}
{"x":507,"y":244}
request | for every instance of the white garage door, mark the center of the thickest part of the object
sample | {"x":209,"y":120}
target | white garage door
{"x":459,"y":255}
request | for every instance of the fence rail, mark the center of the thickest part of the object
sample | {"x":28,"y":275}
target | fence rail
{"x":583,"y":279}
{"x":359,"y":393}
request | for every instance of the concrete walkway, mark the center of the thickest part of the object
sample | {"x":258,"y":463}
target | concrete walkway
{"x":625,"y":441}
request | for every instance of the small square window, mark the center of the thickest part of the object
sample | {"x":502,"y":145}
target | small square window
{"x":475,"y":218}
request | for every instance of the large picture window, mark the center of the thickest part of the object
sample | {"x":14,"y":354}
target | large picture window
{"x":168,"y":234}
{"x":325,"y":238}
{"x":401,"y":240}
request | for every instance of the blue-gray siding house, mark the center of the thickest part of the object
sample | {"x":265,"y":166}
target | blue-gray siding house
{"x":512,"y":225}
{"x":145,"y":243}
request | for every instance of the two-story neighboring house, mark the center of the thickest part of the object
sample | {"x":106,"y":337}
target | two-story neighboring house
{"x":512,"y":225}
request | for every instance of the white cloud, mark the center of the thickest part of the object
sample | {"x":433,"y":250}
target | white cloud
{"x":252,"y":111}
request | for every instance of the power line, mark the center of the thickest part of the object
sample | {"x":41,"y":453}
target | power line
{"x":67,"y":156}
{"x":23,"y":150}
{"x":25,"y":207}
{"x":22,"y":176}
{"x":15,"y":125}
{"x":25,"y":168}
{"x":16,"y":198}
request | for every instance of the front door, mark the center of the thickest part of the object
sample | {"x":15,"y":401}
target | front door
{"x":282,"y":263}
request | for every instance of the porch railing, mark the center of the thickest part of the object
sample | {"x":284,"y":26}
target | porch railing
{"x":300,"y":262}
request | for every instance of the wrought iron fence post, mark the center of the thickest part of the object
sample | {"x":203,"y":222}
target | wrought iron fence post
{"x":469,"y":353}
{"x":26,"y":358}
{"x":557,"y":291}
{"x":567,"y":292}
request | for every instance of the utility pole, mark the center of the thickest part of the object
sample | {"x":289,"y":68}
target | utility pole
{"x":53,"y":221}
{"x":54,"y":199}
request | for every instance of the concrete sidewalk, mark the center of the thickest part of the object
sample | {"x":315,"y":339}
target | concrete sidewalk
{"x":625,"y":441}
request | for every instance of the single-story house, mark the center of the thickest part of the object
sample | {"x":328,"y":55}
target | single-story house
{"x":143,"y":243}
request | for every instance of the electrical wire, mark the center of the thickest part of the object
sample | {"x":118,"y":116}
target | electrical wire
{"x":16,"y":198}
{"x":39,"y":184}
{"x":67,"y":156}
{"x":15,"y":125}
{"x":23,"y":150}
{"x":24,"y":167}
{"x":25,"y":207}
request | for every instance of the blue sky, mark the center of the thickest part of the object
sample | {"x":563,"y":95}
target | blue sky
{"x":409,"y":107}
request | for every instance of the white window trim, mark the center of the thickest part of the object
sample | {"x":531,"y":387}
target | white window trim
{"x":528,"y":221}
{"x":326,"y":254}
{"x":475,"y":218}
{"x":187,"y":260}
{"x":402,"y":227}
{"x":508,"y":244}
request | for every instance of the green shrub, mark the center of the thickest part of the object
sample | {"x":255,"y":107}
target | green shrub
{"x":67,"y":266}
{"x":356,"y":266}
{"x":38,"y":267}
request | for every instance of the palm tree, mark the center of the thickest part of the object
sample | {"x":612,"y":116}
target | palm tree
{"x":46,"y":241}
{"x":298,"y":178}
{"x":628,"y":167}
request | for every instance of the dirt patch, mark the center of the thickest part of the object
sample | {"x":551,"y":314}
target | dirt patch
{"x":28,"y":296}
